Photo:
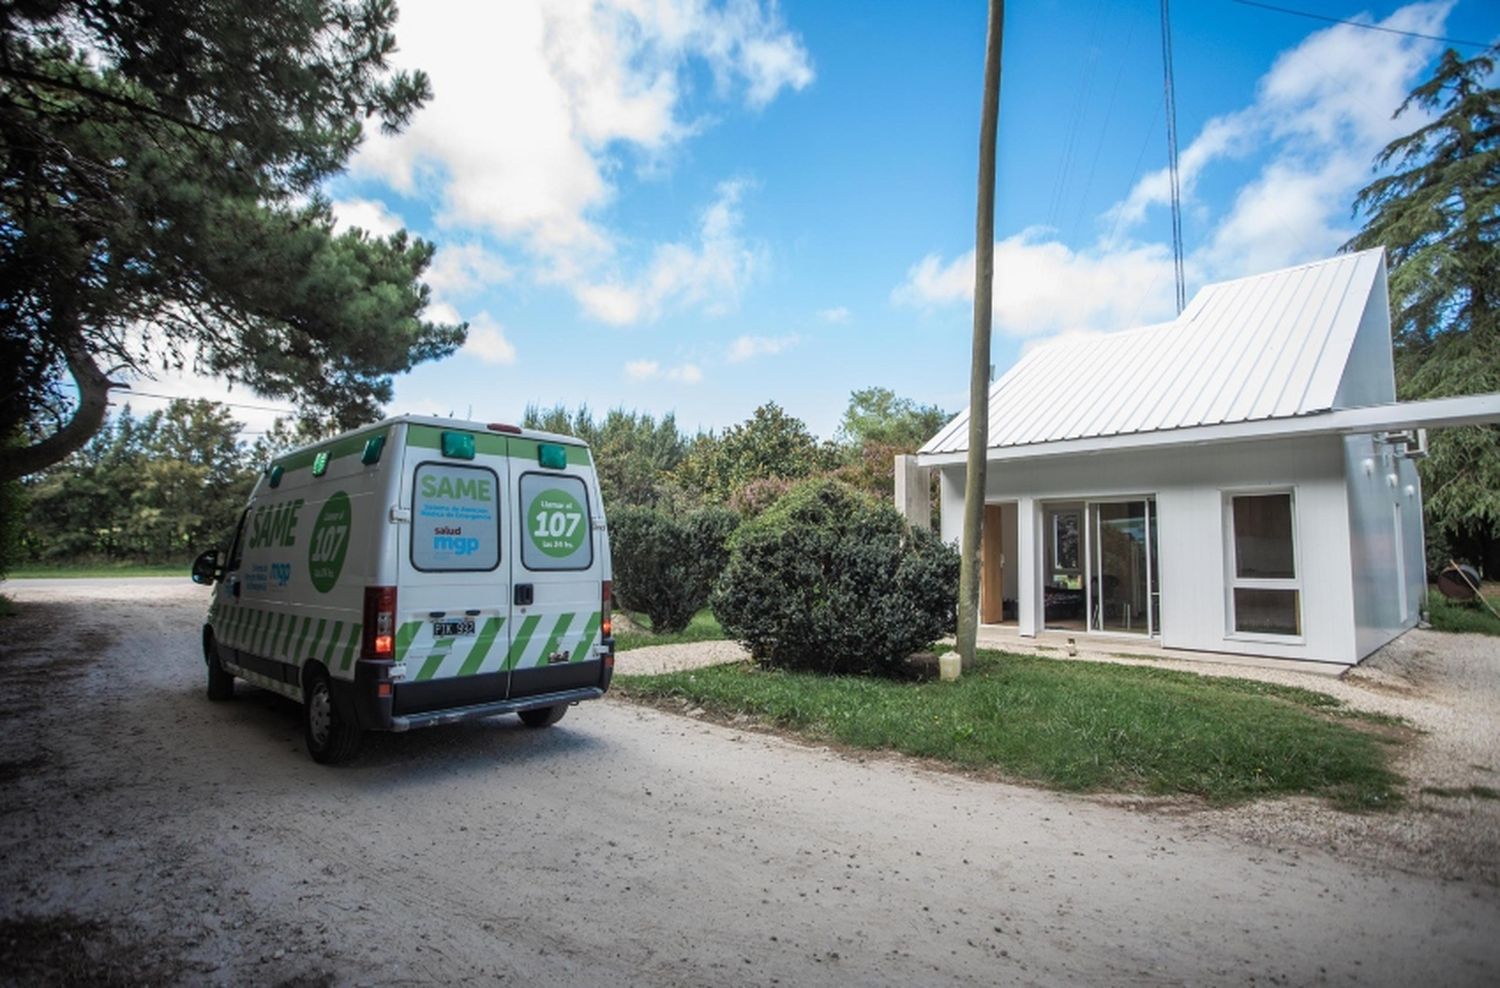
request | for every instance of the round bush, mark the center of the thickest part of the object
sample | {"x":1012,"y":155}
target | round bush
{"x":832,"y":581}
{"x":665,"y":564}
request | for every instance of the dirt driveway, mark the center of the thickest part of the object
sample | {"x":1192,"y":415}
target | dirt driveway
{"x":188,"y":841}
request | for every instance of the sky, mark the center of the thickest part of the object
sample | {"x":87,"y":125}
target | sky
{"x":696,"y":206}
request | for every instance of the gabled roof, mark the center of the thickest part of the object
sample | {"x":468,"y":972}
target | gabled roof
{"x":1265,"y":347}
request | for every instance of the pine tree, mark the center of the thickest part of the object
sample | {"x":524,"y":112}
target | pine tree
{"x":161,"y":167}
{"x":1436,"y":210}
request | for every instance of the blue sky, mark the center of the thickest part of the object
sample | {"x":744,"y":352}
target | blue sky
{"x":696,"y":207}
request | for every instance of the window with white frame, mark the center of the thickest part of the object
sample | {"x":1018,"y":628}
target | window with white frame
{"x":1265,"y":595}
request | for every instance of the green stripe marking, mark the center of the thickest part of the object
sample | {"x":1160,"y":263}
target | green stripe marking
{"x":405,"y":635}
{"x":586,"y":642}
{"x":265,"y":631}
{"x":558,"y":630}
{"x":481,"y":647}
{"x":523,"y":638}
{"x":333,"y":642}
{"x":271,"y":643}
{"x":349,"y":649}
{"x":318,"y":637}
{"x":440,"y":649}
{"x":286,"y":642}
{"x":298,"y":655}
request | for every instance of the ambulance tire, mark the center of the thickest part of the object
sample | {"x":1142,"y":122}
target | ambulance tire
{"x":331,"y":740}
{"x":220,"y":682}
{"x":543,"y":716}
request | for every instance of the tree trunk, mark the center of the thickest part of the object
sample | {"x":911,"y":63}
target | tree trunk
{"x":93,"y":405}
{"x":979,"y":370}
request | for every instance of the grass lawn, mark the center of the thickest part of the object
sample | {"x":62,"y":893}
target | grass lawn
{"x":1078,"y":726}
{"x":96,"y":570}
{"x":703,"y":628}
{"x":1451,"y":615}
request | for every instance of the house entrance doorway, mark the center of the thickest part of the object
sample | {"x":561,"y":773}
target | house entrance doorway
{"x":1100,"y":569}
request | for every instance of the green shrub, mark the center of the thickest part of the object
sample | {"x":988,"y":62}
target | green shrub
{"x":665,"y":563}
{"x":832,"y":581}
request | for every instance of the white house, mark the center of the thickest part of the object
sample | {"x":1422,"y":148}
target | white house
{"x":1237,"y":480}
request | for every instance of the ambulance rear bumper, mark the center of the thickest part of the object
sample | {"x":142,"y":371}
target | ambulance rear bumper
{"x":431,"y":718}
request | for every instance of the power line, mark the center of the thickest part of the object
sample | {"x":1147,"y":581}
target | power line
{"x":227,"y":404}
{"x":1171,"y":105}
{"x":1367,"y":27}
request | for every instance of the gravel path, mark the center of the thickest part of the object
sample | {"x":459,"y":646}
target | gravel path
{"x":1446,"y":686}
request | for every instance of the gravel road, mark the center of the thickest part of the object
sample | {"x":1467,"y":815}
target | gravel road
{"x":197,"y":843}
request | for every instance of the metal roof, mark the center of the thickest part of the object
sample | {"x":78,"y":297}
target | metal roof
{"x":1265,"y":347}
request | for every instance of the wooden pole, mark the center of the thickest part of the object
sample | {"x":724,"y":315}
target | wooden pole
{"x":979,"y":368}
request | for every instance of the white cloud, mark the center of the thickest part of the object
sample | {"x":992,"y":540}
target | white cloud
{"x":465,"y":268}
{"x":1320,"y":115}
{"x":649,"y":370}
{"x":538,"y":104}
{"x":837,"y":315}
{"x":1043,"y":287}
{"x":487,"y":341}
{"x":1323,"y":111}
{"x":747,"y":347}
{"x":369,"y":215}
{"x":709,"y":273}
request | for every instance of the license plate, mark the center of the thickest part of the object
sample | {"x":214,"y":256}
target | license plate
{"x":452,"y":629}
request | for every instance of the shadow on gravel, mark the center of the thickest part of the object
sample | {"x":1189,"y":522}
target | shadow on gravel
{"x":260,"y":731}
{"x":65,"y":949}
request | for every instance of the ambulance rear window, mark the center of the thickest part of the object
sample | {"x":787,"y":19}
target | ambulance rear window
{"x":455,"y":518}
{"x":557,"y":533}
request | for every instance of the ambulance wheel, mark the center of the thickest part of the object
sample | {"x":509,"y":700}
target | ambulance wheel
{"x":220,"y":682}
{"x":543,"y":716}
{"x":330,"y":739}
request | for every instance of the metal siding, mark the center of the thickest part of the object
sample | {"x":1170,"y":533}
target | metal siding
{"x":1264,"y":347}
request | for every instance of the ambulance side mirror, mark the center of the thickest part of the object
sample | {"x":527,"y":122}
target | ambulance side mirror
{"x":207,"y":568}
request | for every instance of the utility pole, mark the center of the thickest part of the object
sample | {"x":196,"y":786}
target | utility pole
{"x":979,"y":366}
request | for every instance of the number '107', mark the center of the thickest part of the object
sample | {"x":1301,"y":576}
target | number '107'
{"x":556,"y":524}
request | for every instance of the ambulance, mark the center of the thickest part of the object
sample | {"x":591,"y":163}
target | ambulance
{"x":415,"y":572}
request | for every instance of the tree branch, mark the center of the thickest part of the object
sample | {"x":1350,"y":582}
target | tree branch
{"x":93,"y":405}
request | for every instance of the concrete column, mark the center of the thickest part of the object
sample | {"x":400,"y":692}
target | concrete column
{"x":1028,"y":569}
{"x":914,"y":492}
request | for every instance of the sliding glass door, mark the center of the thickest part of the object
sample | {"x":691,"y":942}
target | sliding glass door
{"x":1122,"y":595}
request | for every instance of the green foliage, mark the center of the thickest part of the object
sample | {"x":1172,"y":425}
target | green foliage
{"x":1078,"y":726}
{"x":770,"y":443}
{"x":12,"y":510}
{"x":877,"y":427}
{"x":1436,"y":210}
{"x":156,"y":488}
{"x":1470,"y":616}
{"x":665,"y":563}
{"x":160,"y":204}
{"x":831,"y":581}
{"x":877,"y":416}
{"x":635,"y":454}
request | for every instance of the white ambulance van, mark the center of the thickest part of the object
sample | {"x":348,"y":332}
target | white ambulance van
{"x":415,"y":572}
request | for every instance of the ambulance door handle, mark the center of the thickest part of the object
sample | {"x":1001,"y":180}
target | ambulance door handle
{"x":525,"y":593}
{"x":234,"y":587}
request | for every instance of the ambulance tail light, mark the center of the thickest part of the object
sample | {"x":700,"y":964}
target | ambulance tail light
{"x":379,"y":635}
{"x":606,"y":601}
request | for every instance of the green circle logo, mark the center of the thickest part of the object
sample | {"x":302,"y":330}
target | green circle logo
{"x":329,"y":542}
{"x":556,"y":523}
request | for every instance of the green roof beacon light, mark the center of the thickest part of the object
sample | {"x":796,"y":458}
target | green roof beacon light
{"x":320,"y":463}
{"x":551,"y":456}
{"x":458,"y":445}
{"x":374,"y":446}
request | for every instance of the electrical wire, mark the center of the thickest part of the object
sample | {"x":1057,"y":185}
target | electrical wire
{"x":1367,"y":27}
{"x":132,"y":393}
